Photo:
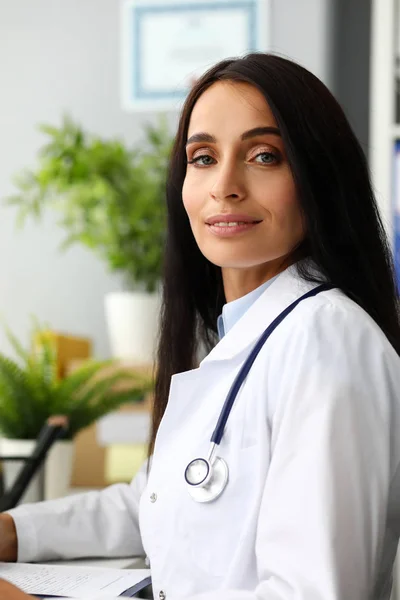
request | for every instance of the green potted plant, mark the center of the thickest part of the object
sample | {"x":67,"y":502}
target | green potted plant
{"x":111,"y":199}
{"x":31,"y":392}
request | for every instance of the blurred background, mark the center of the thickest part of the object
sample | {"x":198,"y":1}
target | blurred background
{"x":65,"y":56}
{"x":89,"y":100}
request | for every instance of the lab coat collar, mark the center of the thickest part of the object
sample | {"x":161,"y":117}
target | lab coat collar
{"x":286,"y":288}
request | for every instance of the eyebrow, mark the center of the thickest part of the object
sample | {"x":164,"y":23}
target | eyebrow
{"x":207,"y":137}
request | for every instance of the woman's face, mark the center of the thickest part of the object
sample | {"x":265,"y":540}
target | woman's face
{"x":239,"y":192}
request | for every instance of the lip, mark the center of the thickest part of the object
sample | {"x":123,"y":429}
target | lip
{"x":231,"y":218}
{"x":227,"y":231}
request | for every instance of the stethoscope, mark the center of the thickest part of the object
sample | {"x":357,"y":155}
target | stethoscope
{"x":208,"y":477}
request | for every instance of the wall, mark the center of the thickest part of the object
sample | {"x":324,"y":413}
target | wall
{"x":351,"y":67}
{"x":303,"y":30}
{"x":63,"y":55}
{"x":55,"y":56}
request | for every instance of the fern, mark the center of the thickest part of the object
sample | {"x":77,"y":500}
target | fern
{"x":30,"y":392}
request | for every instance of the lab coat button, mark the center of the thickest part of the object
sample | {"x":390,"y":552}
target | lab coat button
{"x":162,"y":595}
{"x":153,"y":497}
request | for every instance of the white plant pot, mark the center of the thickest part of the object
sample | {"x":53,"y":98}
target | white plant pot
{"x":58,"y":470}
{"x":132,"y":321}
{"x":52,"y":480}
{"x":11,"y":469}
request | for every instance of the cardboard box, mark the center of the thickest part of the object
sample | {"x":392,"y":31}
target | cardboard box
{"x":69,"y":348}
{"x":98,"y":458}
{"x":93,"y":461}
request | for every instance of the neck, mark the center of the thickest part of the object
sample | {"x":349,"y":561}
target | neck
{"x":239,"y":282}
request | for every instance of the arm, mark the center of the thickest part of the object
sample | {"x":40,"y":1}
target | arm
{"x":8,"y":539}
{"x":324,"y":507}
{"x":323,"y":510}
{"x":10,"y":592}
{"x":93,"y":524}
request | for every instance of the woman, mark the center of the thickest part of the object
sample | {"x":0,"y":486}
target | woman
{"x":268,"y":200}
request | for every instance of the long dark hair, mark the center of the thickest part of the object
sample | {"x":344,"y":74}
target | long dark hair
{"x":344,"y":233}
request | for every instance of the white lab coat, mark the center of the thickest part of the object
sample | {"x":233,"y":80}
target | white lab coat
{"x":311,"y":510}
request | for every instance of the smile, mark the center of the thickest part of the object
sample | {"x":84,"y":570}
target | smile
{"x":231,"y":228}
{"x":232,"y":223}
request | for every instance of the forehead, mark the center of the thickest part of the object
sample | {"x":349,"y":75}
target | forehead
{"x":230,"y":106}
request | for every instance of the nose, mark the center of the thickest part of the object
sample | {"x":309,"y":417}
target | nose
{"x":228,"y":184}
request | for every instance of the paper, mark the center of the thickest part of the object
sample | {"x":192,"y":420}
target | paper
{"x":191,"y":36}
{"x":74,"y":582}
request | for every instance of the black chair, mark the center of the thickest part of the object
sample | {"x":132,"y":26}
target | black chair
{"x":52,"y":431}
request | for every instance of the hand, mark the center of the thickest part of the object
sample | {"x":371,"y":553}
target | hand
{"x":10,"y":592}
{"x":8,"y":539}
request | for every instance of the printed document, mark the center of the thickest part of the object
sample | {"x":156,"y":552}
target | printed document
{"x":73,"y":582}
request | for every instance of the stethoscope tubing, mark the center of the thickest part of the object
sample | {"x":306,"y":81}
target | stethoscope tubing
{"x":211,"y":483}
{"x":241,"y":376}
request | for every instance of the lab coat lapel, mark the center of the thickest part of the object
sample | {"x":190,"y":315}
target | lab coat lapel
{"x":188,"y":388}
{"x":192,"y":388}
{"x":278,"y":296}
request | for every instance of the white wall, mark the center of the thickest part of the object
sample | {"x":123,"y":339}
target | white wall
{"x":303,"y":30}
{"x":63,"y":55}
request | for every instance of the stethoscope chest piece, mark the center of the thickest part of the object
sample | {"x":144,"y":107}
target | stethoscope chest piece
{"x":206,"y":480}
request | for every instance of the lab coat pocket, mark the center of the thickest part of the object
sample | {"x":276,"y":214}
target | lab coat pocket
{"x":216,"y":530}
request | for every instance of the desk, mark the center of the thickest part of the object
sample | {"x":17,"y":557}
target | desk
{"x":135,"y":562}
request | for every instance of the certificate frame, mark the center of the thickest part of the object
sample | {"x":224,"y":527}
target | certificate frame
{"x":138,"y":66}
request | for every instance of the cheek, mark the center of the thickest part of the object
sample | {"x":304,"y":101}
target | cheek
{"x":186,"y":195}
{"x":289,"y":208}
{"x":191,"y":198}
{"x":283,"y":202}
{"x":293,"y":209}
{"x":290,"y":219}
{"x":286,"y":217}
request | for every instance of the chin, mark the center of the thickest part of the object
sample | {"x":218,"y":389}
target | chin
{"x":231,"y":262}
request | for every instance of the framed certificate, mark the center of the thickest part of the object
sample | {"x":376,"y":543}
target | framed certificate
{"x":167,"y":44}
